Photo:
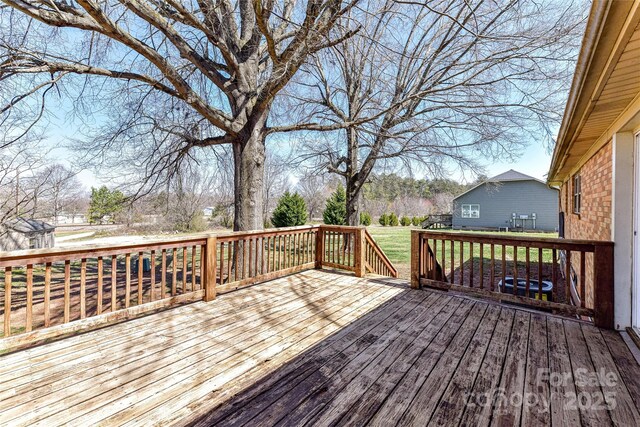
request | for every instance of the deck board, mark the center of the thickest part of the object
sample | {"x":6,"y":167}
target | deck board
{"x":323,"y":349}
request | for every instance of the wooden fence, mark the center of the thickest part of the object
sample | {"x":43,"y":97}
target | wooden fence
{"x":573,"y":277}
{"x":46,"y":291}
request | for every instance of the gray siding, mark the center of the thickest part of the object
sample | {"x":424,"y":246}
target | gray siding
{"x":498,"y":202}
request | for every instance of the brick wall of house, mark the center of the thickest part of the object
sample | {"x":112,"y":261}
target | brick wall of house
{"x":594,"y":221}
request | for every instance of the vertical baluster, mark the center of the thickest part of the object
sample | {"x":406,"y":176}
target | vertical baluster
{"x":250,"y":255}
{"x":83,"y":288}
{"x":163,"y":270}
{"x":481,"y":265}
{"x":567,"y":275}
{"x":461,"y":263}
{"x":100,"y":287}
{"x":583,"y":274}
{"x":194,"y":268}
{"x":263,"y":251}
{"x":245,"y":255}
{"x":174,"y":271}
{"x":202,"y":266}
{"x":527,"y":272}
{"x":229,"y":255}
{"x":114,"y":282}
{"x":255,"y":267}
{"x":140,"y":277}
{"x":515,"y":270}
{"x":221,"y":264}
{"x":333,"y":247}
{"x":540,"y":273}
{"x":444,"y":260}
{"x":47,"y":295}
{"x":503,"y":273}
{"x":452,"y":258}
{"x":127,"y":283}
{"x":29,"y":319}
{"x":152,"y":291}
{"x":279,"y":252}
{"x":554,"y":278}
{"x":272,"y":254}
{"x":346,"y":241}
{"x":7,"y":301}
{"x":184,"y":270}
{"x":67,"y":290}
{"x":493,"y":268}
{"x":471,"y":264}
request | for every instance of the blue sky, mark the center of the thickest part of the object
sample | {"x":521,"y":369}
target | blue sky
{"x":534,"y":160}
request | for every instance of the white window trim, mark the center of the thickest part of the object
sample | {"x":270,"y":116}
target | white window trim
{"x":470,"y":211}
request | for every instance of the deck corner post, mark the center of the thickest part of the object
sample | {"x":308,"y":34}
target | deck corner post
{"x":359,"y":246}
{"x":603,"y":284}
{"x":210,"y":269}
{"x":319,"y":248}
{"x":415,"y":259}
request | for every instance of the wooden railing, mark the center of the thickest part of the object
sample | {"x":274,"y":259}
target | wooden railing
{"x":376,"y":260}
{"x":353,"y":249}
{"x":247,"y":258}
{"x":45,"y":291}
{"x":531,"y":271}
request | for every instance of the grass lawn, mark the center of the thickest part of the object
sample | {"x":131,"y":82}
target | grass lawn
{"x":396,"y":243}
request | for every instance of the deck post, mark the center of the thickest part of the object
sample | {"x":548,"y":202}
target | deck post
{"x":319,"y":247}
{"x":415,"y":259}
{"x":359,"y":252}
{"x":603,"y":286}
{"x":210,"y":269}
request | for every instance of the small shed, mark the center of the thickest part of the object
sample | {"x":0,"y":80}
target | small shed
{"x":511,"y":200}
{"x":23,"y":233}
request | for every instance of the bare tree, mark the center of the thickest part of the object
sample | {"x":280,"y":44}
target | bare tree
{"x":20,"y":181}
{"x":185,"y":198}
{"x":166,"y":78}
{"x":436,"y":84}
{"x":276,"y":182}
{"x":315,"y":191}
{"x":61,"y":190}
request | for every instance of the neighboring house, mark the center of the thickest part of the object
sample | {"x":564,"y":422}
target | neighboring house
{"x":23,"y":233}
{"x":208,"y":211}
{"x":70,"y":218}
{"x":596,"y":162}
{"x":510,"y":200}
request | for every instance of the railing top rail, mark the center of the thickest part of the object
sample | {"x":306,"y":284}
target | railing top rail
{"x":344,"y":228}
{"x":89,"y":251}
{"x":265,"y":233}
{"x":34,"y":255}
{"x":510,"y":240}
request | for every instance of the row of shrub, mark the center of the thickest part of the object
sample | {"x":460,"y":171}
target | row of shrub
{"x":292,"y":211}
{"x":392,"y":220}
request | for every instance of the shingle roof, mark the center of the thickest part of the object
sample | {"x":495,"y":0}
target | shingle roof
{"x":24,"y":225}
{"x":512,"y":175}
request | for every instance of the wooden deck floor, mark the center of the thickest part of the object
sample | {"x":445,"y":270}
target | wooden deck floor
{"x":321,"y":348}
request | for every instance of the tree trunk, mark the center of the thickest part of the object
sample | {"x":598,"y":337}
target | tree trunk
{"x":353,"y":190}
{"x":353,"y":179}
{"x":249,"y":160}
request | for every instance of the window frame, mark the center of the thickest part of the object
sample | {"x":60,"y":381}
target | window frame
{"x":470,"y":210}
{"x":576,"y":194}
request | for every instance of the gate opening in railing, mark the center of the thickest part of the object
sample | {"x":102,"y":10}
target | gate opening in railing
{"x":573,"y":277}
{"x":50,"y":289}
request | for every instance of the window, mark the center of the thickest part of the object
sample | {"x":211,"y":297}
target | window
{"x":32,"y":243}
{"x":470,"y":211}
{"x":577,"y":194}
